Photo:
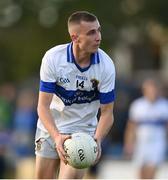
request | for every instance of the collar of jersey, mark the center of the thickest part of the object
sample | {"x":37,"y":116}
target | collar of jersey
{"x":70,"y":58}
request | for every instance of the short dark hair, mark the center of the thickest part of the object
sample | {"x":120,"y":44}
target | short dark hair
{"x":79,"y":16}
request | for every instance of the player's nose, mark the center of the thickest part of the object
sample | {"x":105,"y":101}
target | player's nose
{"x":98,"y":36}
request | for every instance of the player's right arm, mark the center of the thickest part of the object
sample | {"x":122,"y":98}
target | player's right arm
{"x":48,"y":122}
{"x":45,"y":115}
{"x":47,"y":89}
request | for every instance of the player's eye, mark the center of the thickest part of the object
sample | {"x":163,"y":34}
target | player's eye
{"x":91,"y":32}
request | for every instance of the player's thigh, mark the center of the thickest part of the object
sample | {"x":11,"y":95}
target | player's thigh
{"x":46,"y":168}
{"x":46,"y":155}
{"x":68,"y":172}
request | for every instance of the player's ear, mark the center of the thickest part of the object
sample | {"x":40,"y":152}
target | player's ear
{"x":74,"y":37}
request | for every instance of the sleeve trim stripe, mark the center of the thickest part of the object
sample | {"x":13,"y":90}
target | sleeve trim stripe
{"x":49,"y":87}
{"x":108,"y":97}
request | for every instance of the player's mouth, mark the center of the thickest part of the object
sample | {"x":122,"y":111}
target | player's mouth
{"x":96,"y":45}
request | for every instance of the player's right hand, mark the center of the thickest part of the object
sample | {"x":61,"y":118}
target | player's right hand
{"x":59,"y":145}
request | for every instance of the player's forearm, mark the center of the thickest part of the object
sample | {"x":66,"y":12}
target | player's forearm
{"x":47,"y":120}
{"x":104,"y":126}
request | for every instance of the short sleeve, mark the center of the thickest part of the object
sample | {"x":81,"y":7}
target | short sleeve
{"x":47,"y":75}
{"x":108,"y":84}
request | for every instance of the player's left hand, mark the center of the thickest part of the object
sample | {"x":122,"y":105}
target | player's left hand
{"x":99,"y":150}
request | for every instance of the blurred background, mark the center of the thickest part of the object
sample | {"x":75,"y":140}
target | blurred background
{"x":134,"y":34}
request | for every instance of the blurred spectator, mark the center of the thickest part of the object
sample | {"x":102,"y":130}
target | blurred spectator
{"x":7,"y":96}
{"x":145,"y":136}
{"x":24,"y":124}
{"x":23,"y":133}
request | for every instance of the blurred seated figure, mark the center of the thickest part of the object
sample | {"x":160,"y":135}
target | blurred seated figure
{"x":145,"y":136}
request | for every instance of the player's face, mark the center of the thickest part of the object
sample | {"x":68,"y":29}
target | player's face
{"x":89,"y":36}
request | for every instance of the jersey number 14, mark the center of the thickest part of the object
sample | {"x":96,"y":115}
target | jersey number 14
{"x":80,"y":84}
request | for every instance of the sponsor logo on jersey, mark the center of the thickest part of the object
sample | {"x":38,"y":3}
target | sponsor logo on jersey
{"x":83,"y":78}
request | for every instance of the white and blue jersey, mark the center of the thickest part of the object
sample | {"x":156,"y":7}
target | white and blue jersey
{"x":81,"y":90}
{"x":151,"y":119}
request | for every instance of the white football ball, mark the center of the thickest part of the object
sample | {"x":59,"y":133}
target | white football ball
{"x":81,"y":149}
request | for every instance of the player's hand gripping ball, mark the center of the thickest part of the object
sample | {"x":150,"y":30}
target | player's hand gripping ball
{"x":81,"y":149}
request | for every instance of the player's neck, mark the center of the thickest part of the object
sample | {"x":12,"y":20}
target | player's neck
{"x":81,"y":57}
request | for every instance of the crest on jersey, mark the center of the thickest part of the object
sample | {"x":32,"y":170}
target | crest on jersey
{"x":95,"y":83}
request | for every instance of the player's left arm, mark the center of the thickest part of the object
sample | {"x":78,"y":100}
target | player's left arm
{"x":107,"y":98}
{"x":105,"y":122}
{"x":104,"y":125}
